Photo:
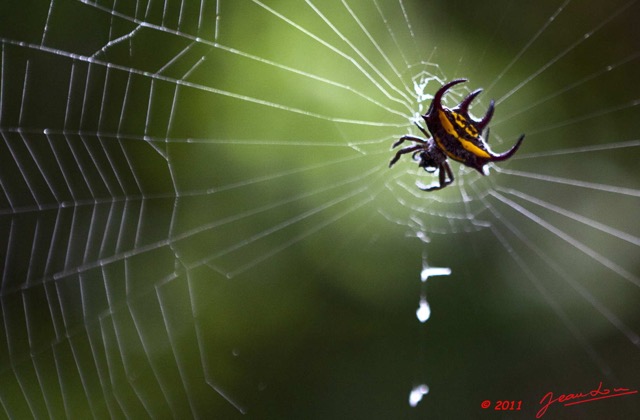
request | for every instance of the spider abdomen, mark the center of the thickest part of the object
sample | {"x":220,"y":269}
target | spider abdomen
{"x":459,"y":139}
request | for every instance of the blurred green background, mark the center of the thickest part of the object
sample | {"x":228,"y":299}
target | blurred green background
{"x":198,"y":218}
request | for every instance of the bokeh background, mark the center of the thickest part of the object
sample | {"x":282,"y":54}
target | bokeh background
{"x":197,"y":218}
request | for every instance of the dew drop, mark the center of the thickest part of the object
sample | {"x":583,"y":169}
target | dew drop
{"x":417,"y":393}
{"x":434,"y":271}
{"x":424,"y":310}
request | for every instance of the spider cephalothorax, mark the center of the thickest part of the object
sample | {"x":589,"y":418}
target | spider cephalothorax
{"x":454,"y":134}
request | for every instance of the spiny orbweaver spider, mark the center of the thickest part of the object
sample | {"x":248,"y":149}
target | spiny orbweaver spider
{"x":454,"y":134}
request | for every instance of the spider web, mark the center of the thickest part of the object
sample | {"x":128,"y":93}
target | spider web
{"x":197,"y":218}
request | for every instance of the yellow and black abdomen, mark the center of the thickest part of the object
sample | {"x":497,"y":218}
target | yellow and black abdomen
{"x":459,"y":138}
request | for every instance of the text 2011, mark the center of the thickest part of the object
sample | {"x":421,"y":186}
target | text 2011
{"x":508,"y":405}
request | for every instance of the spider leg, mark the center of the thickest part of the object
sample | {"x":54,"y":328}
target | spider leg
{"x":447,"y":168}
{"x":422,"y":129}
{"x":423,"y":188}
{"x":404,"y":151}
{"x":410,"y":138}
{"x":444,"y":170}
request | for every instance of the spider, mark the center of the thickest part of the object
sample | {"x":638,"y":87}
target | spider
{"x":455,"y":135}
